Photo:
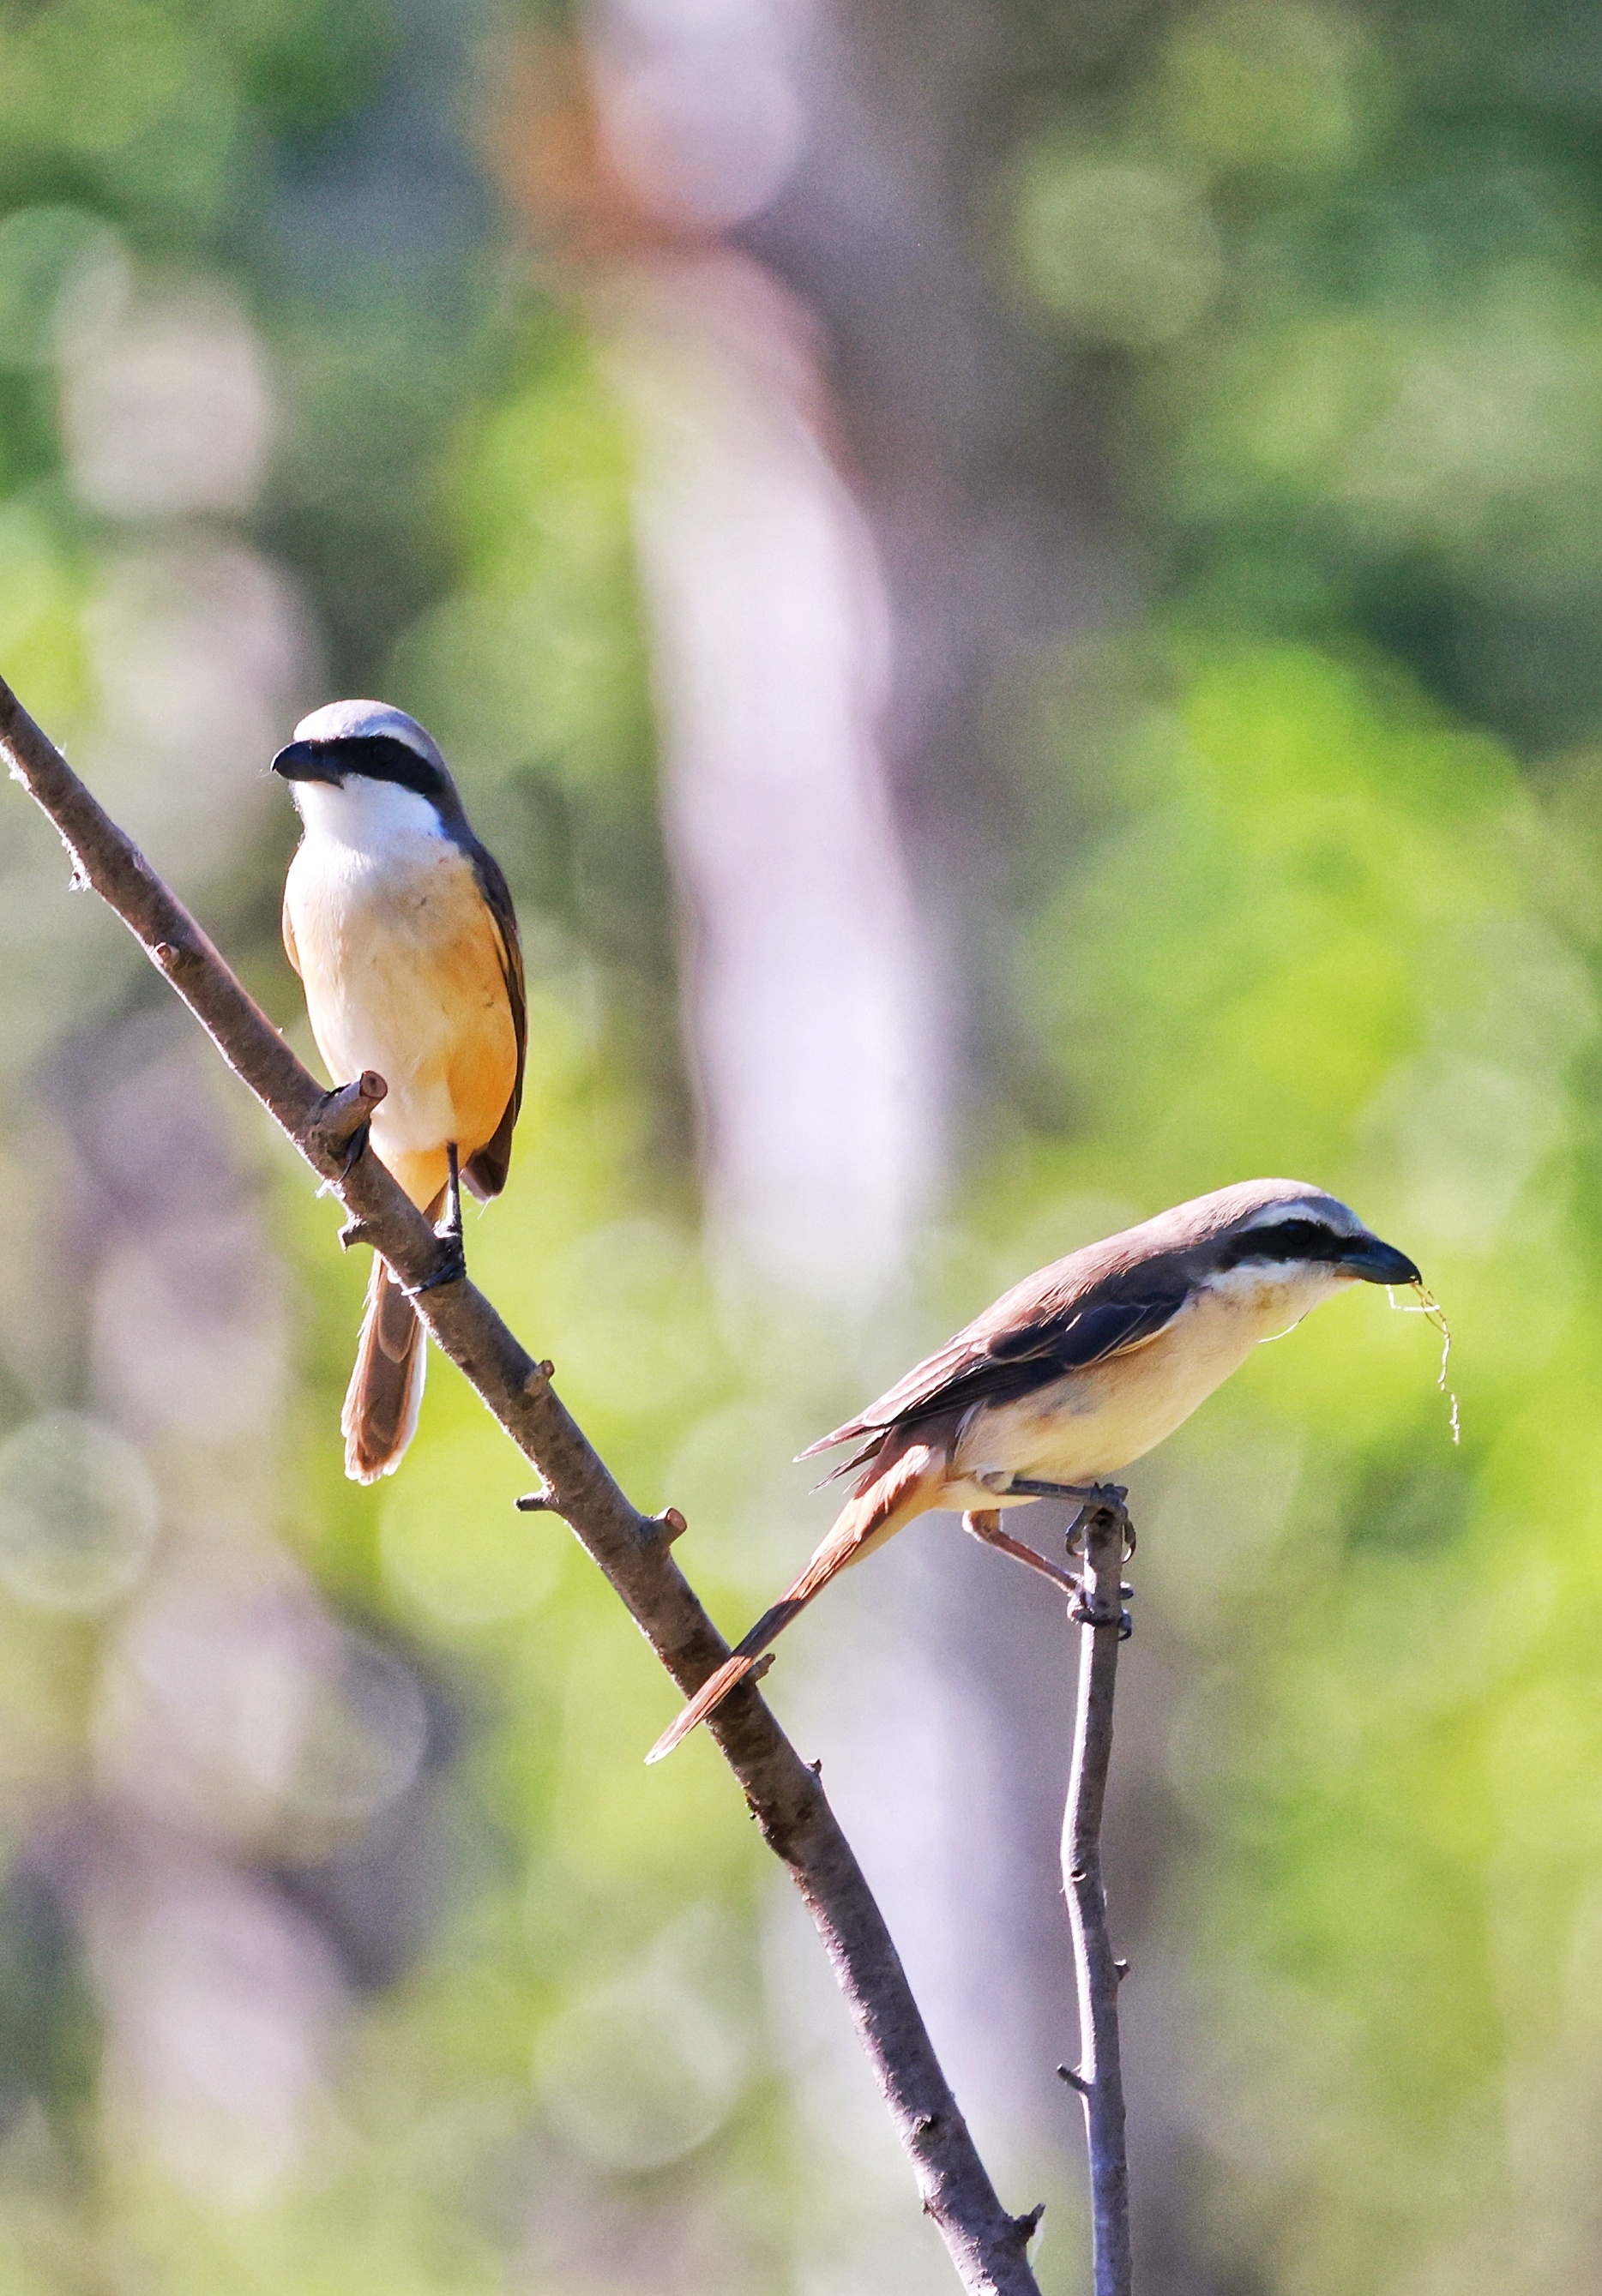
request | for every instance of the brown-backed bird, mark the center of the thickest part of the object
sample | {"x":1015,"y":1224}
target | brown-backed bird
{"x":401,"y":928}
{"x":1074,"y":1372}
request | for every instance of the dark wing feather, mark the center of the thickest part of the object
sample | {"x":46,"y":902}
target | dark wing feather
{"x":998,"y":1365}
{"x":486,"y":1171}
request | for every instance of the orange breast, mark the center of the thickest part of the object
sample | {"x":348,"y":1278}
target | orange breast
{"x":402,"y":970}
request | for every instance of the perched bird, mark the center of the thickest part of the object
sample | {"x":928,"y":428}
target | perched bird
{"x":402,"y":930}
{"x":1074,"y":1372}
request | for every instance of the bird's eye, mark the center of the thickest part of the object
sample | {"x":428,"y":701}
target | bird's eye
{"x":1292,"y":1239}
{"x":1298,"y":1235}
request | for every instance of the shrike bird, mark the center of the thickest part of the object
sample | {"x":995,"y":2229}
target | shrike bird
{"x":400,"y":925}
{"x":1074,"y":1372}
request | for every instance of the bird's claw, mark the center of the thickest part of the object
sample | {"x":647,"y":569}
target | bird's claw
{"x":354,"y":1150}
{"x":1107,"y":1499}
{"x":1082,"y":1615}
{"x":451,"y":1269}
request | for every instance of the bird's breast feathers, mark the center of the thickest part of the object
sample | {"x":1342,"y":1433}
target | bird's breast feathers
{"x":1092,"y":1422}
{"x":404,"y":973}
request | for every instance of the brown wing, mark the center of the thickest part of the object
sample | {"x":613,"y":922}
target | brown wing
{"x":486,"y":1171}
{"x":1028,"y":1339}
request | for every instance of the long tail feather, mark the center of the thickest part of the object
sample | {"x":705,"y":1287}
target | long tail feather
{"x":735,"y":1669}
{"x":385,"y":1394}
{"x":906,"y":1486}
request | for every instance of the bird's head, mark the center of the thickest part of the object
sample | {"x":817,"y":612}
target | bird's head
{"x":1280,"y":1239}
{"x":365,"y":768}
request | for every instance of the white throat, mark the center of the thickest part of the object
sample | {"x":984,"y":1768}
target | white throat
{"x":1280,"y":1296}
{"x":368,"y":815}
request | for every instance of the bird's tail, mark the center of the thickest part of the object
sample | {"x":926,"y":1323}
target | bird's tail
{"x":385,"y":1393}
{"x":887,"y":1498}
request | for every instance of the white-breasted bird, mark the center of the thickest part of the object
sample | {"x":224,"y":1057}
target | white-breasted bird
{"x":1075,"y":1372}
{"x":402,"y":930}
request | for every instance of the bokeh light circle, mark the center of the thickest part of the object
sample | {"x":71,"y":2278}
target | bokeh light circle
{"x":78,"y":1513}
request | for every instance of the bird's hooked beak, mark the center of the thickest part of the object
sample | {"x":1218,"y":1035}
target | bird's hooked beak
{"x":1373,"y":1262}
{"x":307,"y":761}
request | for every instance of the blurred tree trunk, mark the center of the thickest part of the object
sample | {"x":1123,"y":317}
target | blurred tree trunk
{"x":979,"y":450}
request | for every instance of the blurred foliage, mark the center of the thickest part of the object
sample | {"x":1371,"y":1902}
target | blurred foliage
{"x":1343,"y":264}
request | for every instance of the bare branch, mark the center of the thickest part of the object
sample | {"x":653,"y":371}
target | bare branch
{"x":986,"y":2244}
{"x":1103,"y":1531}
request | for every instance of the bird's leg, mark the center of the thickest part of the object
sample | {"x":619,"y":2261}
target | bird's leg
{"x":454,"y":1266}
{"x":985,"y":1523}
{"x":1087,"y":1495}
{"x":1107,"y":1495}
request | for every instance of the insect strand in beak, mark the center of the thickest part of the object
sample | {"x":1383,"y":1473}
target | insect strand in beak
{"x":1430,"y":1307}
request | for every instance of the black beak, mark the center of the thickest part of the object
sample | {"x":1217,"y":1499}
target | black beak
{"x":307,"y":761}
{"x":1378,"y":1263}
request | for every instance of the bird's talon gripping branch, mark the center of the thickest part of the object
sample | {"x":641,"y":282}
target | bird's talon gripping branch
{"x":1084,"y":1613}
{"x":452,"y":1269}
{"x":355,"y":1152}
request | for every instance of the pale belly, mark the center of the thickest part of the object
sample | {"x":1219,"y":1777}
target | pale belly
{"x":402,"y":973}
{"x":1086,"y":1427}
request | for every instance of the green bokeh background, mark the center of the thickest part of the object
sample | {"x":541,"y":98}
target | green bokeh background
{"x":1299,"y":873}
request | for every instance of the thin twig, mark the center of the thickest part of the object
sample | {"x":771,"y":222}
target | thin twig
{"x":1103,"y":1533}
{"x":783,"y":1794}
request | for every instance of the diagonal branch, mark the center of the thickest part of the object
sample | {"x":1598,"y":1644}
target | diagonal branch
{"x":783,"y":1794}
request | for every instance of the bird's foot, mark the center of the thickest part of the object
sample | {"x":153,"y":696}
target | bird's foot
{"x":452,"y":1272}
{"x":1082,"y":1615}
{"x":356,"y":1151}
{"x":1102,"y":1498}
{"x":453,"y":1265}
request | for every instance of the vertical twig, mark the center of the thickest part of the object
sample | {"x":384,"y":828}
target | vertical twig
{"x":1103,"y":1530}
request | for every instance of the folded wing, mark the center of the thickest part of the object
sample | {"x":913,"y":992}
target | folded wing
{"x":1000,"y":1357}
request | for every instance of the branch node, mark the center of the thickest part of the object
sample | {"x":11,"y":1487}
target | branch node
{"x":669,"y":1525}
{"x":1121,"y":1970}
{"x":337,"y":1132}
{"x":355,"y":1231}
{"x":1026,"y":2225}
{"x":817,"y":1769}
{"x":165,"y":953}
{"x":1075,"y":2079}
{"x":540,"y":1502}
{"x":542,"y":1374}
{"x":763,"y":1666}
